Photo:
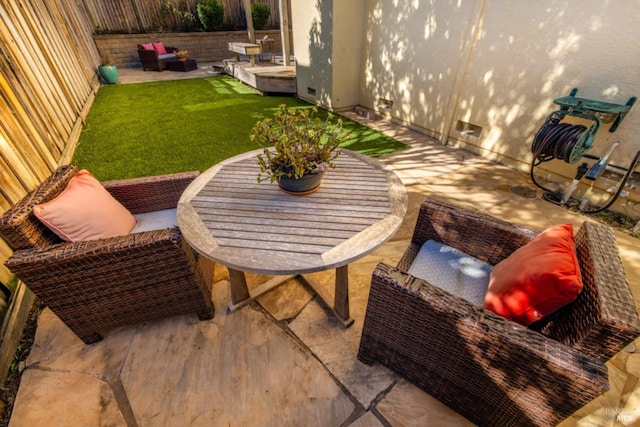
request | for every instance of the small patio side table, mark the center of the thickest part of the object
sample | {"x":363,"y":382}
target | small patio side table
{"x":267,"y":45}
{"x":230,"y":218}
{"x":186,"y":65}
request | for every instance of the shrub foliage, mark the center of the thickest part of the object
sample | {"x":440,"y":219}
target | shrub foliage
{"x":211,"y":14}
{"x":260,"y":13}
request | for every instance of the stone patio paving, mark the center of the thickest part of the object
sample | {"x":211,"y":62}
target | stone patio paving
{"x":283,"y":360}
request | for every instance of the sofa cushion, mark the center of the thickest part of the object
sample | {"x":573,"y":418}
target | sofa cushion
{"x":167,"y":56}
{"x":156,"y":220}
{"x":452,"y":270}
{"x":537,"y":279}
{"x":159,"y":48}
{"x":85,"y":210}
{"x":147,"y":46}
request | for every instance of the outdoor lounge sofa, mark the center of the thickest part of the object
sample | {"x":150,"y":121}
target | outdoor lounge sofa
{"x":95,"y":286}
{"x":491,"y":370}
{"x":152,"y":56}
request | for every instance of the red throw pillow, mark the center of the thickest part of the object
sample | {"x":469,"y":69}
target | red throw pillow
{"x":85,"y":210}
{"x":159,"y":47}
{"x":147,"y":46}
{"x":537,"y":279}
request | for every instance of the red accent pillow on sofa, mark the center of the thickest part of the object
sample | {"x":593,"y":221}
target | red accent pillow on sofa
{"x":537,"y":279}
{"x":159,"y":47}
{"x":147,"y":46}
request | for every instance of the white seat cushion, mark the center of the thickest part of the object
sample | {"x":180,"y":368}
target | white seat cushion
{"x":452,"y":270}
{"x":156,"y":220}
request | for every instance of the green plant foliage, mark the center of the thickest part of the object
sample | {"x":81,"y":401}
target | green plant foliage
{"x":187,"y":19}
{"x":303,"y":142}
{"x":168,"y":16}
{"x":211,"y":14}
{"x":260,"y":13}
{"x":162,"y":18}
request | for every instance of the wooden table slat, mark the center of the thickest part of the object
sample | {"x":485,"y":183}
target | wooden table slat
{"x":352,"y":224}
{"x":295,"y":247}
{"x":213,"y":202}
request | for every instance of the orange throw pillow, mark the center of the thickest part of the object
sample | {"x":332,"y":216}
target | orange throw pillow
{"x":537,"y":279}
{"x":85,"y":210}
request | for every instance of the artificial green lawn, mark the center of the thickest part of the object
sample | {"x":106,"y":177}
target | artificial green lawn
{"x":155,"y":128}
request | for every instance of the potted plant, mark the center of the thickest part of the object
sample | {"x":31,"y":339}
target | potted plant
{"x":297,"y":147}
{"x":181,"y":54}
{"x":108,"y":71}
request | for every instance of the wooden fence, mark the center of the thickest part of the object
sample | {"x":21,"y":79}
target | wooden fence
{"x":48,"y":61}
{"x":47,"y":77}
{"x":141,"y":16}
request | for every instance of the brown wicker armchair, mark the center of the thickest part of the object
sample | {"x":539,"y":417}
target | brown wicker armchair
{"x":491,"y":370}
{"x":151,"y":60}
{"x":97,"y":285}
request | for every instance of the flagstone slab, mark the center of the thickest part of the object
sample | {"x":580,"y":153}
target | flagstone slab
{"x":408,"y":406}
{"x":70,"y":399}
{"x":57,"y":347}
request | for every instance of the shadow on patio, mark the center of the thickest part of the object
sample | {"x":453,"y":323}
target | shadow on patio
{"x":284,"y":360}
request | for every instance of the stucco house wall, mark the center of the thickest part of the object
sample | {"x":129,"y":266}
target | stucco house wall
{"x":497,"y":65}
{"x":328,"y":64}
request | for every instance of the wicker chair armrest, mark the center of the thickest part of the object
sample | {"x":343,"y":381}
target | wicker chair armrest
{"x":459,"y":352}
{"x":82,"y":252}
{"x":20,"y":227}
{"x":153,"y":193}
{"x":604,"y":318}
{"x":474,"y":233}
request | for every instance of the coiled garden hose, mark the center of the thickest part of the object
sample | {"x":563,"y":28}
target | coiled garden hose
{"x":557,"y":140}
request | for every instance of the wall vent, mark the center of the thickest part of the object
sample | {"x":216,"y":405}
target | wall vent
{"x":468,"y":129}
{"x":384,"y":104}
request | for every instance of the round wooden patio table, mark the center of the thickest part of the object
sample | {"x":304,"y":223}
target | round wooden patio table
{"x":230,"y":218}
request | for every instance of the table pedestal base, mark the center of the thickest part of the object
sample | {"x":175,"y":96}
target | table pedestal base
{"x":241,"y":296}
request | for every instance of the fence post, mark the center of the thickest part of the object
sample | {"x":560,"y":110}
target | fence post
{"x":247,"y":13}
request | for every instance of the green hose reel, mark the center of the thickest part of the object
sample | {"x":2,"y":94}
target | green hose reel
{"x":605,"y":111}
{"x":596,"y":112}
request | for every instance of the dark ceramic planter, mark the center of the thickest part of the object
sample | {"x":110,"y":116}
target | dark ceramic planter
{"x":305,"y":185}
